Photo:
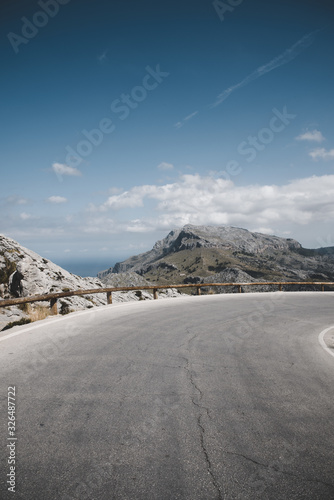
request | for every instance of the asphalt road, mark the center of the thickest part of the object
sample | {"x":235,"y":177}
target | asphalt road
{"x":199,"y":398}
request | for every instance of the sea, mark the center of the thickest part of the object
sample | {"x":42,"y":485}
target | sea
{"x":87,"y":268}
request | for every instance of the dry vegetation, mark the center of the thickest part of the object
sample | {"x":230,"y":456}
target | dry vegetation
{"x":38,"y":312}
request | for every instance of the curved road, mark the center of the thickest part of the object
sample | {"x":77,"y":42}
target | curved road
{"x":214,"y":397}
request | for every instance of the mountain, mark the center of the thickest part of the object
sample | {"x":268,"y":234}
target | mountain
{"x":208,"y":253}
{"x":24,"y":273}
{"x":193,"y":254}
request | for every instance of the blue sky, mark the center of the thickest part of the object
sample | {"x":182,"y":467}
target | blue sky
{"x":123,"y":120}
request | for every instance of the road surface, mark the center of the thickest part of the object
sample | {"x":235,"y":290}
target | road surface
{"x":200,"y":398}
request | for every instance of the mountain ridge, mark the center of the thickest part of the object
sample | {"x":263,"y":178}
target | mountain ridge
{"x":203,"y":251}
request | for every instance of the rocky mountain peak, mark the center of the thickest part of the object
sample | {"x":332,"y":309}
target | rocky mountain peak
{"x":193,"y":251}
{"x":228,"y":237}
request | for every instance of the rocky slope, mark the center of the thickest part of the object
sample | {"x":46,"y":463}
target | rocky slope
{"x":204,"y":253}
{"x":24,"y":273}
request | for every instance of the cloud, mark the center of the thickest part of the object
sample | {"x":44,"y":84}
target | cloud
{"x":61,"y":169}
{"x":287,"y":56}
{"x":57,"y":199}
{"x":200,"y":200}
{"x":128,"y":199}
{"x":15,"y":200}
{"x":25,"y":216}
{"x":314,"y":135}
{"x":165,"y":166}
{"x":303,"y":205}
{"x":102,"y":57}
{"x":189,"y":117}
{"x":184,"y":120}
{"x":322,"y":154}
{"x":263,"y":230}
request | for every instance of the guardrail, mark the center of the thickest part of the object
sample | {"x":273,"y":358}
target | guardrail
{"x":53,"y":297}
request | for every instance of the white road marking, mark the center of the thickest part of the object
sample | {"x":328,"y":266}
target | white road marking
{"x":323,"y":343}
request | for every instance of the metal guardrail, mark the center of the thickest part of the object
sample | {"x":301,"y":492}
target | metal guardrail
{"x":53,"y":297}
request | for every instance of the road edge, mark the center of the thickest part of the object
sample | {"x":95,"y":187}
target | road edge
{"x":322,"y":341}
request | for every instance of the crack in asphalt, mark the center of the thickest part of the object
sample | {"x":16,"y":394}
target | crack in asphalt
{"x":269,"y":466}
{"x":196,"y":399}
{"x":188,"y":341}
{"x":200,"y":425}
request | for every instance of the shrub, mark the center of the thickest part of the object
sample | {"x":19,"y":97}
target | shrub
{"x":39,"y":312}
{"x":22,"y":321}
{"x":8,"y":269}
{"x":65,"y":308}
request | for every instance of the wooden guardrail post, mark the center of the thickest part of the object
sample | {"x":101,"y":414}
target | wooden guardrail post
{"x":52,"y":297}
{"x":53,"y":306}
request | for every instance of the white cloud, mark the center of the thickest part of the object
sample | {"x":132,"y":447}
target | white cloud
{"x":25,"y":216}
{"x":206,"y":200}
{"x":322,"y":154}
{"x":312,"y":135}
{"x":287,"y":56}
{"x":165,"y":166}
{"x":263,"y":230}
{"x":137,"y":226}
{"x":189,"y":117}
{"x":57,"y":199}
{"x":300,"y":206}
{"x":127,"y":199}
{"x":184,"y":120}
{"x":62,"y":169}
{"x":15,"y":200}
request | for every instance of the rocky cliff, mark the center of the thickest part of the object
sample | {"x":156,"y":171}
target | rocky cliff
{"x":196,"y":252}
{"x":24,"y":273}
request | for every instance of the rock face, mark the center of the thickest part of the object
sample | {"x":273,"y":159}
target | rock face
{"x":191,"y":237}
{"x":196,"y":252}
{"x":103,"y":274}
{"x":24,"y":273}
{"x":124,"y":279}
